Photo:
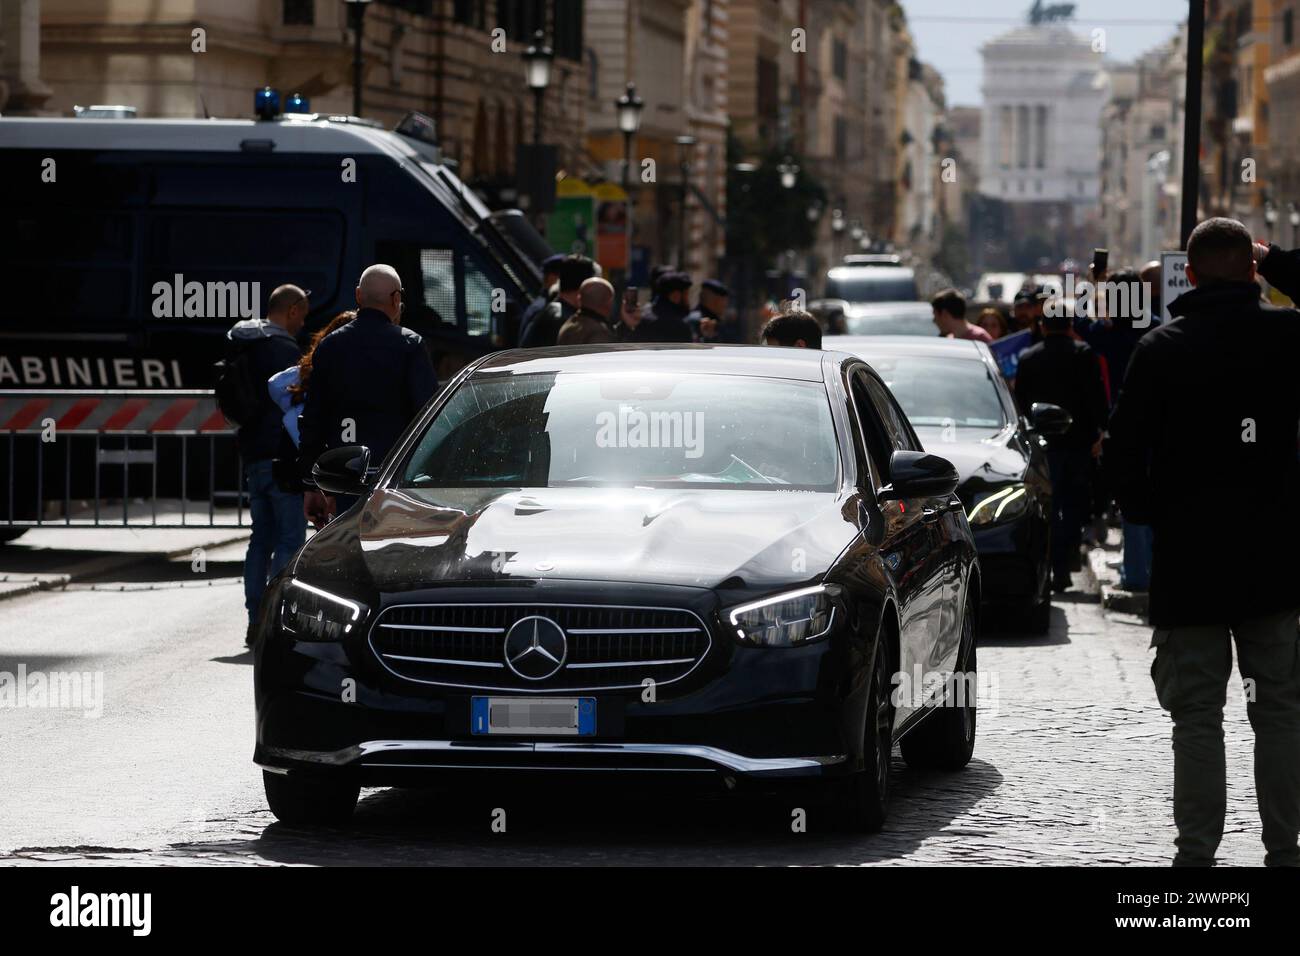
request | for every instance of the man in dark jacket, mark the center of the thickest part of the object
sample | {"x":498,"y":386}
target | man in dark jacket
{"x":369,"y":379}
{"x":550,"y":292}
{"x":1061,"y":370}
{"x":270,"y":345}
{"x":705,"y":322}
{"x":590,"y":324}
{"x":544,"y":330}
{"x":664,"y":319}
{"x":1202,"y":447}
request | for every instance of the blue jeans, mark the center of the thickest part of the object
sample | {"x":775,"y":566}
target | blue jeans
{"x":1135,"y":574}
{"x":279,"y":529}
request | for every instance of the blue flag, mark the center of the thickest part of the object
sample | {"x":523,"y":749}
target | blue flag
{"x":1007,"y":351}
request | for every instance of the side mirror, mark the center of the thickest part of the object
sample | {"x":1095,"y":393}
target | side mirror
{"x":918,"y":474}
{"x":1049,"y":419}
{"x":342,"y":470}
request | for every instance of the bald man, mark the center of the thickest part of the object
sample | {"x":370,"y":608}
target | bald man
{"x":369,"y":379}
{"x":590,"y":324}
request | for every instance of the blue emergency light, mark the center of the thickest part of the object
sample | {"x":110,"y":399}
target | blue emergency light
{"x":266,"y":103}
{"x":297,"y":103}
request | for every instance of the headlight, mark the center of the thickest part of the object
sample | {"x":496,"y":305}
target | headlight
{"x":994,"y":507}
{"x":313,"y":614}
{"x":785,"y":620}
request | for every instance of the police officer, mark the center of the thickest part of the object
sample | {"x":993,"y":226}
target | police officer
{"x":545,"y":328}
{"x":550,"y":292}
{"x":705,"y":322}
{"x":664,"y":319}
{"x":1062,"y":370}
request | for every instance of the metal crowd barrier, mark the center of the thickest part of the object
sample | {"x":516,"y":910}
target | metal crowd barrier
{"x":118,"y":458}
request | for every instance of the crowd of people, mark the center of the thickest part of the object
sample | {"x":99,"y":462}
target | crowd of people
{"x":1189,"y":431}
{"x":577,"y":307}
{"x":1077,"y":362}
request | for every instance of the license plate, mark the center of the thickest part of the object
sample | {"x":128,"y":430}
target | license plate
{"x":531,"y":716}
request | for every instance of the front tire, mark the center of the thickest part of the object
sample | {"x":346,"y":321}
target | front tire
{"x":863,"y":797}
{"x":309,"y":801}
{"x":1038,"y":616}
{"x":945,"y":739}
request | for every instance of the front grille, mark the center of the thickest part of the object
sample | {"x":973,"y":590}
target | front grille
{"x":463,"y":645}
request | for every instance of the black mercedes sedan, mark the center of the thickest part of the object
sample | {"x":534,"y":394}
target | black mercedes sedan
{"x":733,"y":563}
{"x":960,"y":405}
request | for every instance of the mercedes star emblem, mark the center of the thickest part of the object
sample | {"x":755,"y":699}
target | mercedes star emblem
{"x":536,"y":647}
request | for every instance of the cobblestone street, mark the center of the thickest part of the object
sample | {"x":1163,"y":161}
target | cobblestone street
{"x":1072,"y":763}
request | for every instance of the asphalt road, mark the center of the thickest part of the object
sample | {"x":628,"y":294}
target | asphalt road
{"x":1072,"y":763}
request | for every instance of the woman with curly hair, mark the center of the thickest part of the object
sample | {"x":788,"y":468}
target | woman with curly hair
{"x":289,"y":388}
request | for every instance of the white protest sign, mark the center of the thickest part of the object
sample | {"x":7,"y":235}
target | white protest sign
{"x":1173,"y":280}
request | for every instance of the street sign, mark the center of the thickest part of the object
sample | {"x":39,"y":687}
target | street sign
{"x":1173,"y":280}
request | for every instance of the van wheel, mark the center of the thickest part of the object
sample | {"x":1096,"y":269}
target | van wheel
{"x":309,"y":801}
{"x":863,"y":797}
{"x":945,"y":739}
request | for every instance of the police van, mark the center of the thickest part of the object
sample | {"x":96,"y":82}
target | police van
{"x":134,"y":244}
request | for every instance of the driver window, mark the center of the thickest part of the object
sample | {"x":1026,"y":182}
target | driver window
{"x":896,"y":424}
{"x":873,"y":435}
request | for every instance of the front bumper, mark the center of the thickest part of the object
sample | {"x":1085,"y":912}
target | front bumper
{"x":387,"y":761}
{"x":761,"y":713}
{"x":1013,"y":560}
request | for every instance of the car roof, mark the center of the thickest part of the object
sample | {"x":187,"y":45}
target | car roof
{"x":870,"y":271}
{"x":913,"y":345}
{"x":896,"y":307}
{"x":763,"y":361}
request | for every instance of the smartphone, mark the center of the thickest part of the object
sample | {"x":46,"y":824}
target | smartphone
{"x":1100,"y":260}
{"x":630,"y":295}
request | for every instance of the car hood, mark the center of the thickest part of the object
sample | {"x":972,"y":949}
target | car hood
{"x":982,"y":456}
{"x":407,"y":539}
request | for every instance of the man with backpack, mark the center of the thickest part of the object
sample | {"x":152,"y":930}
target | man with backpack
{"x":256,"y":350}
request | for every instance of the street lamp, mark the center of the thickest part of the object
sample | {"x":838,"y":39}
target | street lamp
{"x":356,"y":20}
{"x":629,"y":107}
{"x":856,"y":231}
{"x":537,"y":71}
{"x":1270,"y":216}
{"x":789,"y":173}
{"x":684,"y":146}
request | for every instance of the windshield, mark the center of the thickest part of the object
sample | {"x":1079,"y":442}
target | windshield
{"x":546,"y":430}
{"x":890,"y":323}
{"x":867,"y":288}
{"x":943,"y":392}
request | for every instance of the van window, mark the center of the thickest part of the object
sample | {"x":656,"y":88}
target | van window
{"x":438,"y":282}
{"x":478,"y":299}
{"x":78,"y":262}
{"x":268,"y":248}
{"x":434,"y":292}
